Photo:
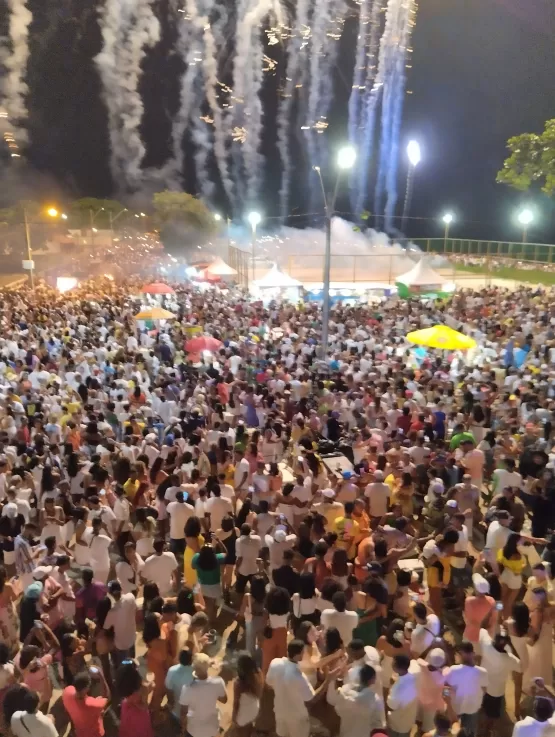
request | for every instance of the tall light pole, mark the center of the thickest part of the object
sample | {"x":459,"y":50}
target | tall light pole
{"x":346,"y":157}
{"x":218,"y":218}
{"x":29,"y":249}
{"x":414,"y":157}
{"x":447,"y":220}
{"x":525,"y":217}
{"x":254,"y":219}
{"x":112,"y":221}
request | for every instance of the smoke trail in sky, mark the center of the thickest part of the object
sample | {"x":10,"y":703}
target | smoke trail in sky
{"x":297,"y":45}
{"x":247,"y":115}
{"x":399,"y":22}
{"x":15,"y":56}
{"x":128,"y":27}
{"x":367,"y":107}
{"x":361,"y":61}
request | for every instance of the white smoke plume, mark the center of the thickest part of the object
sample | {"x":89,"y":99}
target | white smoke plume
{"x":128,"y":28}
{"x":15,"y":55}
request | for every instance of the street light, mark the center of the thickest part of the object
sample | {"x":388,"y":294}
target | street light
{"x":447,"y":220}
{"x":64,"y":216}
{"x":254,"y":218}
{"x":346,"y":157}
{"x":52,"y":212}
{"x":525,"y":217}
{"x":217,"y":217}
{"x":112,"y":221}
{"x":415,"y":157}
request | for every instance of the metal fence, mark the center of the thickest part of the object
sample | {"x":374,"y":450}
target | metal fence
{"x":531,"y":252}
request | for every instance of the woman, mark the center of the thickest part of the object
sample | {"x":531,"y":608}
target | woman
{"x":8,"y":619}
{"x":247,"y":690}
{"x":274,"y":644}
{"x":208,"y":564}
{"x":157,"y":658}
{"x":520,"y":632}
{"x":512,"y":563}
{"x":404,"y":495}
{"x":390,"y":644}
{"x":144,"y":533}
{"x":306,"y":603}
{"x":228,"y":535}
{"x":253,"y":612}
{"x":542,"y":614}
{"x":73,"y":651}
{"x":193,"y":543}
{"x":340,"y":567}
{"x":371,"y":606}
{"x":226,"y":466}
{"x":128,"y":569}
{"x":135,"y":715}
{"x":275,"y":479}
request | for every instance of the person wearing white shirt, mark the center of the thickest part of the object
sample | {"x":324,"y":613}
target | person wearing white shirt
{"x":359,"y":655}
{"x":292,"y":692}
{"x":277,"y":544}
{"x":121,"y":618}
{"x":358,"y":707}
{"x":541,"y":724}
{"x":339,"y":617}
{"x":31,"y":721}
{"x":378,"y":494}
{"x":242,"y":473}
{"x":216,"y":508}
{"x":467,"y":683}
{"x":122,"y":512}
{"x":402,"y":699}
{"x":161,"y":569}
{"x":99,"y":549}
{"x":247,"y":549}
{"x":178,"y":512}
{"x":499,"y":664}
{"x":427,"y":627}
{"x":199,"y":700}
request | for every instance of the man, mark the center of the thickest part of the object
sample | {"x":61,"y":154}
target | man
{"x":86,"y":712}
{"x":25,"y":556}
{"x":345,"y":621}
{"x":516,"y":507}
{"x":427,"y":627}
{"x":540,"y":724}
{"x":499,"y":665}
{"x":122,"y":512}
{"x":88,"y":596}
{"x":247,"y":549}
{"x":242,"y":475}
{"x":461,"y":573}
{"x":328,"y":507}
{"x":429,"y":686}
{"x":503,"y":478}
{"x":122,"y":619}
{"x":177,"y":678}
{"x":277,"y":544}
{"x":30,"y":720}
{"x":285,"y":576}
{"x":99,"y":548}
{"x":179,"y":512}
{"x":467,"y":683}
{"x":292,"y":692}
{"x":377,"y":494}
{"x":402,"y":699}
{"x":347,"y":530}
{"x":67,"y":599}
{"x":216,"y":508}
{"x":161,"y":568}
{"x":358,"y":707}
{"x":359,"y":655}
{"x":199,"y":700}
{"x":467,"y":496}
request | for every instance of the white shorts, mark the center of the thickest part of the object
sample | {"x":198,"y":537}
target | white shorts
{"x":512,"y":580}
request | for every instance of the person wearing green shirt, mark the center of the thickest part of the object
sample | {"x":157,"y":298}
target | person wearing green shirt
{"x":208,"y":563}
{"x":460,"y":435}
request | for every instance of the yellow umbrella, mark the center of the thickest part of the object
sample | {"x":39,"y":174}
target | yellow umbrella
{"x":155,"y":313}
{"x":442,"y":336}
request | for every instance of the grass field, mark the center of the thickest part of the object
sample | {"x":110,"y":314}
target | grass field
{"x":535,"y":276}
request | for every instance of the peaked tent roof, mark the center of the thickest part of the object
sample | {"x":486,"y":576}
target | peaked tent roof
{"x":420,"y":275}
{"x":220,"y":268}
{"x":276,"y":278}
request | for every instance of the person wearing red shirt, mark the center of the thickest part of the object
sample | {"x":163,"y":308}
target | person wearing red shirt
{"x":86,"y":712}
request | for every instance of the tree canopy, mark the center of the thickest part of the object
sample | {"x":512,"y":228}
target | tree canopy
{"x":80,"y":212}
{"x":531,"y":161}
{"x":184,"y":221}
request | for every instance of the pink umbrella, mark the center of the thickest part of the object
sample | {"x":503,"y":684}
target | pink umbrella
{"x":157,"y":288}
{"x":203,"y":343}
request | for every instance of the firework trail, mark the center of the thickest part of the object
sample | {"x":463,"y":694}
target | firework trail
{"x":247,"y":83}
{"x":367,"y":108}
{"x":128,"y":27}
{"x":15,"y":55}
{"x":361,"y":62}
{"x":399,"y":24}
{"x":293,"y":68}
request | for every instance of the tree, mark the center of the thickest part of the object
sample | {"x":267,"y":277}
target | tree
{"x":80,"y":212}
{"x":531,"y":161}
{"x":184,"y":221}
{"x":13,"y":215}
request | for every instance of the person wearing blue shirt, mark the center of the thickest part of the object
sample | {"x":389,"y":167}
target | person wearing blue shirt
{"x":178,"y":676}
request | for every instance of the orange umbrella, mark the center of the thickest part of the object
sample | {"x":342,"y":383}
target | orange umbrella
{"x":158,"y":288}
{"x":203,"y":343}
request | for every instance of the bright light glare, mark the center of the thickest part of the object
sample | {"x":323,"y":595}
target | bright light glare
{"x":65,"y":283}
{"x":525,"y":217}
{"x":346,"y":157}
{"x":217,"y":217}
{"x":254,"y":219}
{"x":413,"y":152}
{"x":53,"y":212}
{"x":64,"y":216}
{"x":143,"y":215}
{"x":95,"y":230}
{"x":448,"y":218}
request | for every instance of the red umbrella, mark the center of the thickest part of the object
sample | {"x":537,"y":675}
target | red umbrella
{"x":203,"y":343}
{"x":158,"y":288}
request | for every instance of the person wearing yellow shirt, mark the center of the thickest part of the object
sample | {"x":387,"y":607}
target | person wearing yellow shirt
{"x":347,"y":530}
{"x":131,"y":486}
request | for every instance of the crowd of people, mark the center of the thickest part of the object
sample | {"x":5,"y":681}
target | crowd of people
{"x":358,"y":542}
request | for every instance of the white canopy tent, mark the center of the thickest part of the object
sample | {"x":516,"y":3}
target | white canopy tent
{"x":276,"y":283}
{"x":220,"y":268}
{"x":421,"y":275}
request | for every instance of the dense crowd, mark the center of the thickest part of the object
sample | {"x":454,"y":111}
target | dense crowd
{"x":359,"y":543}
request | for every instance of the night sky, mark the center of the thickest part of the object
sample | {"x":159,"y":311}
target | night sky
{"x":482,"y":70}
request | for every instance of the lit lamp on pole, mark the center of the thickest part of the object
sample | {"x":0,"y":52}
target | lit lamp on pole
{"x":346,"y":158}
{"x":525,"y":218}
{"x":414,"y":156}
{"x":254,"y":219}
{"x":447,"y":220}
{"x":218,"y":218}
